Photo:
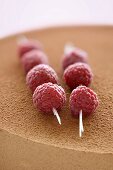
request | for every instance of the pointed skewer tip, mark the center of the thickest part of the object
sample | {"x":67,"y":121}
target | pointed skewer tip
{"x":81,"y":128}
{"x":57,"y":115}
{"x":21,"y":39}
{"x":69,"y":47}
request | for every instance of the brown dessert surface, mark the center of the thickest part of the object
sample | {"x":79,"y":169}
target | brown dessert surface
{"x":17,"y":113}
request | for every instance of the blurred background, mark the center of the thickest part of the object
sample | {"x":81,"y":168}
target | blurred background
{"x":21,"y":15}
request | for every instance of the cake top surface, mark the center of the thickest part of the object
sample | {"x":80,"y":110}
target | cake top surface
{"x":17,"y":113}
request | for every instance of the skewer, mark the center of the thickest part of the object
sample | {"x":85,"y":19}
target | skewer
{"x":81,"y":128}
{"x":22,"y":39}
{"x":57,"y":115}
{"x":69,"y":47}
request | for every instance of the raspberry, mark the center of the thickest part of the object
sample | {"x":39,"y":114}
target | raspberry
{"x":78,"y":74}
{"x":48,"y":96}
{"x":73,"y":56}
{"x":40,"y":74}
{"x":26,"y":45}
{"x":83,"y":98}
{"x":33,"y":58}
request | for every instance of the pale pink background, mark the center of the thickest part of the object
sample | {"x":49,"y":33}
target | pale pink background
{"x":21,"y":15}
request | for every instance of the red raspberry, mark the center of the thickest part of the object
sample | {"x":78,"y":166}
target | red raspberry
{"x":33,"y":58}
{"x":83,"y":98}
{"x":41,"y":74}
{"x":74,"y":56}
{"x":48,"y":96}
{"x":78,"y":74}
{"x":26,"y":45}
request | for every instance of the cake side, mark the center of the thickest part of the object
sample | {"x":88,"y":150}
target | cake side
{"x":21,"y":153}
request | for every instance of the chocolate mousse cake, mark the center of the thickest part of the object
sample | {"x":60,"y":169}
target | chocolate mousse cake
{"x":31,"y":140}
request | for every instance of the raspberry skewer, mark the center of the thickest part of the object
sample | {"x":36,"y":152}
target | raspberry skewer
{"x":83,"y":101}
{"x":49,"y":98}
